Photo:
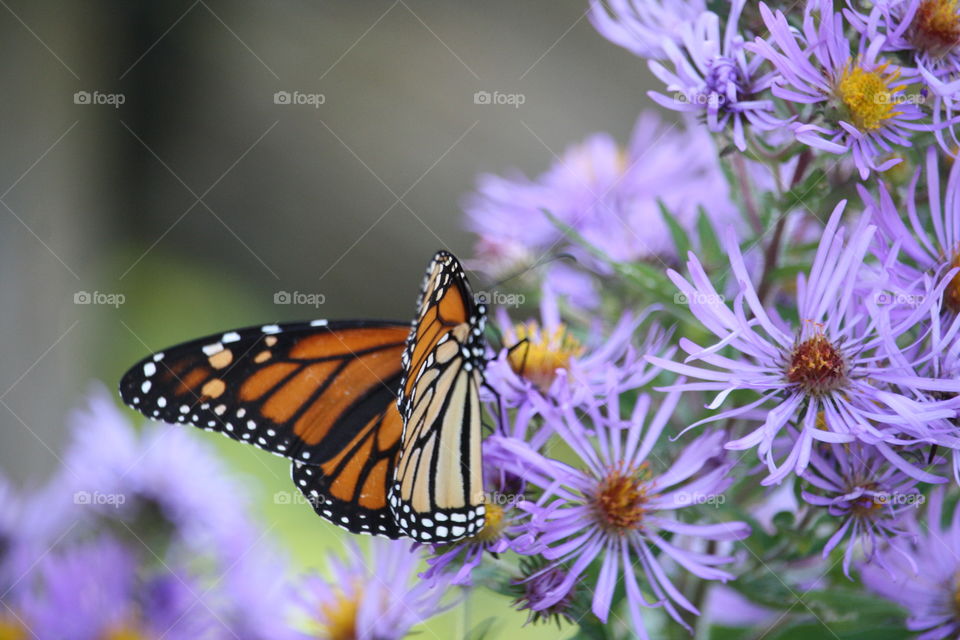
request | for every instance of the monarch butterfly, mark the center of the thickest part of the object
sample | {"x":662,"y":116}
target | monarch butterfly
{"x":381,"y":419}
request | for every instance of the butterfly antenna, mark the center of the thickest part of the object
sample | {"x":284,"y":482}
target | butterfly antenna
{"x":536,"y":265}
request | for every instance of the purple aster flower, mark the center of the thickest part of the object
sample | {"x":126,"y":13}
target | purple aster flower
{"x":644,"y":26}
{"x":927,"y":583}
{"x":866,"y":493}
{"x":929,"y":243}
{"x":609,"y":195}
{"x":862,"y":97}
{"x":30,"y":523}
{"x":616,"y":511}
{"x":831,"y":366}
{"x":373,"y":596}
{"x":163,"y":476}
{"x":712,"y":76}
{"x":93,"y":590}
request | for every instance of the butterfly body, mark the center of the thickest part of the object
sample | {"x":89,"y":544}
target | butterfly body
{"x":336,"y":397}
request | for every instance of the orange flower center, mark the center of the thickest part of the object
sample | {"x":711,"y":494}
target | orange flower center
{"x":952,"y":294}
{"x":620,"y":498}
{"x":816,"y":366}
{"x":936,"y":26}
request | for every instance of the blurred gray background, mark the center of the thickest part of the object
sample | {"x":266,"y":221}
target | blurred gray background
{"x":199,"y":197}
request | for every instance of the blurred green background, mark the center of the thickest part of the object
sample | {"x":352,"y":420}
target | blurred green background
{"x":199,"y":198}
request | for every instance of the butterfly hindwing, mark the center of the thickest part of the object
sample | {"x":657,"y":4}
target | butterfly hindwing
{"x":437,"y":494}
{"x":300,"y":390}
{"x":350,"y":489}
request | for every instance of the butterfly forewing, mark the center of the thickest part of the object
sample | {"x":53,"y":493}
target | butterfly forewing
{"x":437,"y":495}
{"x":299,"y":390}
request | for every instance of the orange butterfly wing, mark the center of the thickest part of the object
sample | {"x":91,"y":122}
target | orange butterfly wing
{"x":437,"y":495}
{"x":322,"y":394}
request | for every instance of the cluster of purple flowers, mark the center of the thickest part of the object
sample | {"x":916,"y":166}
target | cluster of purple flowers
{"x":142,"y":535}
{"x":805,"y":217}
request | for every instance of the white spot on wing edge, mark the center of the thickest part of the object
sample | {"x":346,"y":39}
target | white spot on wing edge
{"x":213,"y":349}
{"x":230,"y":336}
{"x":149,"y":369}
{"x":318,"y":323}
{"x":270,"y":328}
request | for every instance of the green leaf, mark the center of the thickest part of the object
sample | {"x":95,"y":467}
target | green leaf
{"x":709,"y":240}
{"x":678,"y":233}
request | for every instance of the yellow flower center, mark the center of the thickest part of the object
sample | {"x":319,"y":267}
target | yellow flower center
{"x":10,"y":629}
{"x":620,"y":498}
{"x":868,"y":96}
{"x":538,"y":355}
{"x":936,"y":26}
{"x":867,"y":506}
{"x":816,"y":366}
{"x":338,"y":619}
{"x":124,"y":632}
{"x":493,"y":525}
